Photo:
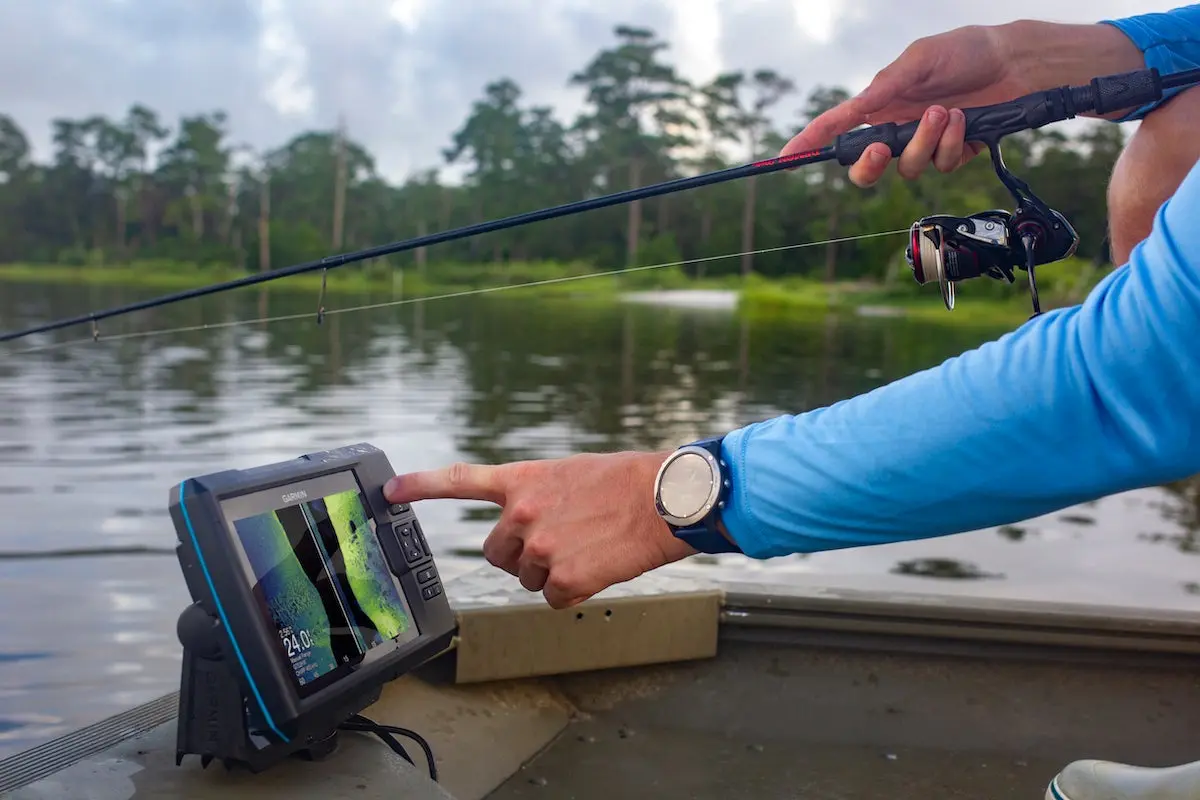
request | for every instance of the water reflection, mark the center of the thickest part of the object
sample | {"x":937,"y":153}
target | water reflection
{"x":1180,"y":505}
{"x":92,"y":437}
{"x":943,"y":568}
{"x":1013,"y":533}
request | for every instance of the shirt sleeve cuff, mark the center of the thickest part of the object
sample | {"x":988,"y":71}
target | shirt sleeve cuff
{"x":747,"y":533}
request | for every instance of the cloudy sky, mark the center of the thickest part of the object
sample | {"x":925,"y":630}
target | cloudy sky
{"x":404,"y":72}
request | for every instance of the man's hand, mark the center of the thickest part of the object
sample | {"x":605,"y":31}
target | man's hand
{"x":937,"y":76}
{"x":570,"y":527}
{"x":931,"y":80}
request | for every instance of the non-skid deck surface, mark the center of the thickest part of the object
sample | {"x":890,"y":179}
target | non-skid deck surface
{"x":601,"y":760}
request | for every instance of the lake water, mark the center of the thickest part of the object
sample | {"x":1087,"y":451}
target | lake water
{"x":93,"y":436}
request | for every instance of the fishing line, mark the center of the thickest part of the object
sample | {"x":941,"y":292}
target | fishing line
{"x":325,"y":312}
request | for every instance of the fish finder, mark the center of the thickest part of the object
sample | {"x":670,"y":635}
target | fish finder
{"x":310,"y":592}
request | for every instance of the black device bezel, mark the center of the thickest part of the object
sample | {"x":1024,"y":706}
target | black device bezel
{"x":210,"y":557}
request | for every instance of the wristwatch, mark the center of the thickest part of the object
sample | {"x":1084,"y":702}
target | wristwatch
{"x":689,"y":492}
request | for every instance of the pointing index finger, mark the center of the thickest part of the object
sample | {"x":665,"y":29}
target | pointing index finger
{"x":460,"y":481}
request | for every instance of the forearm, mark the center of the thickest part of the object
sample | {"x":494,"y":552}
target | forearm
{"x":1075,"y":405}
{"x":1048,"y":54}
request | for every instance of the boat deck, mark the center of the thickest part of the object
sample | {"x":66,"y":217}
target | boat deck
{"x":593,"y":762}
{"x":668,"y":692}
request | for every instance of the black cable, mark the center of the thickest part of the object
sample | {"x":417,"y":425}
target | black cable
{"x":387,"y":738}
{"x":358,"y":722}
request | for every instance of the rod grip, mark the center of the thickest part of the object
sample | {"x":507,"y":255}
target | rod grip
{"x":1127,"y":90}
{"x":988,"y":123}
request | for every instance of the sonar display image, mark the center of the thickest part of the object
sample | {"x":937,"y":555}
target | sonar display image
{"x":365,"y":567}
{"x":322,"y":580}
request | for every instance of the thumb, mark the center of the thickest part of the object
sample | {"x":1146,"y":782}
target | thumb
{"x":822,"y":130}
{"x":824,"y":127}
{"x":849,"y":114}
{"x":884,"y":87}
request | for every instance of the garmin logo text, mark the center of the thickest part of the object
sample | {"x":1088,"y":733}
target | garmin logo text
{"x":292,"y":497}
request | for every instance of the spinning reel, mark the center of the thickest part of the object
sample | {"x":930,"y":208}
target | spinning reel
{"x":994,"y":243}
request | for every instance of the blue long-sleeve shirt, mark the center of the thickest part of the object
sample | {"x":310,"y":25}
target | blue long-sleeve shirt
{"x":1076,"y":404}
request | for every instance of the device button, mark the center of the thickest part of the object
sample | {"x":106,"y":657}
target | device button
{"x":406,"y":532}
{"x":396,"y":509}
{"x":421,"y":538}
{"x":431,"y":591}
{"x":412,"y":553}
{"x":426,"y":575}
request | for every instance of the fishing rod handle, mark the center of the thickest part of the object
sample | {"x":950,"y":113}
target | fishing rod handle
{"x":988,"y":123}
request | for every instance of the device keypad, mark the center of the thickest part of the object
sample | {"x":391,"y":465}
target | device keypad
{"x":415,"y":549}
{"x":409,"y":544}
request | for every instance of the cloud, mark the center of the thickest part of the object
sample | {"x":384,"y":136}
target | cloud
{"x":404,"y":73}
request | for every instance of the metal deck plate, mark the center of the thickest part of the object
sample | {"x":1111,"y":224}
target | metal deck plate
{"x":601,"y":760}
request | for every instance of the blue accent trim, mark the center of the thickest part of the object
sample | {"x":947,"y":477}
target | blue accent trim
{"x":1054,"y":790}
{"x":224,"y":620}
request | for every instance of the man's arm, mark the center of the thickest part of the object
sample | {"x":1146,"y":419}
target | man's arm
{"x":1169,"y":41}
{"x":1076,"y":404}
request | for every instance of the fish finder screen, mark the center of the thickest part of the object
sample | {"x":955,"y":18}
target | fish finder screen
{"x":321,"y":580}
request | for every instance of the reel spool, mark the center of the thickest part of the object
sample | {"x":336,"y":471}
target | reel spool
{"x":926,"y":247}
{"x":949,"y":249}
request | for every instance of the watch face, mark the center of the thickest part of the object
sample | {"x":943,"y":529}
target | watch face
{"x":688,"y":487}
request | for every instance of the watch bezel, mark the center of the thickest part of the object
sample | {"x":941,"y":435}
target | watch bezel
{"x":714,"y":493}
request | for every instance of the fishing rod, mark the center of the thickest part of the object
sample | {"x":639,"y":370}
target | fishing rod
{"x":943,"y":248}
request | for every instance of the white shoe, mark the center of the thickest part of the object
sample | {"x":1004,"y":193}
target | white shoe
{"x":1105,"y":780}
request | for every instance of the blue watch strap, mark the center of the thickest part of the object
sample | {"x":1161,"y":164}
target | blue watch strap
{"x":706,"y":540}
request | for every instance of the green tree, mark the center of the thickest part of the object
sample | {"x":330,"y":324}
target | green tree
{"x":194,"y":167}
{"x":831,"y":177}
{"x":491,"y":138}
{"x":768,"y":88}
{"x":14,"y":149}
{"x":15,"y":189}
{"x":637,"y":115}
{"x":117,"y":157}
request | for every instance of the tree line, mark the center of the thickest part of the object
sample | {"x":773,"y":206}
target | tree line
{"x":136,"y":188}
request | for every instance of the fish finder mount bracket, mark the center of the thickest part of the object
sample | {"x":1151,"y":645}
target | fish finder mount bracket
{"x":242,"y":699}
{"x":218,"y":720}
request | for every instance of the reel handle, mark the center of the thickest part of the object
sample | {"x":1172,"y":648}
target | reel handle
{"x":988,"y":123}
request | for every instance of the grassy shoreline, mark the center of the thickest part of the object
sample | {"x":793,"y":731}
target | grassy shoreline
{"x":757,"y":296}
